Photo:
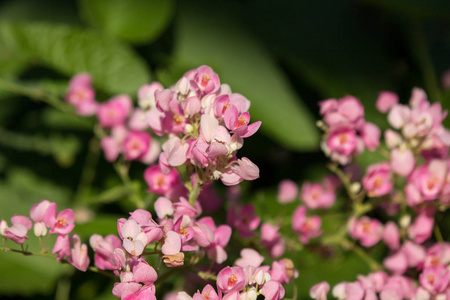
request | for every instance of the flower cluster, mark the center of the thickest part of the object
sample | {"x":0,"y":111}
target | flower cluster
{"x":206,"y":124}
{"x":248,"y":279}
{"x":126,"y":125}
{"x":347,"y":133}
{"x":44,"y":217}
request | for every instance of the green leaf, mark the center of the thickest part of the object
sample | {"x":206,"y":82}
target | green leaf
{"x":102,"y":224}
{"x":207,"y":38}
{"x":28,"y":275}
{"x":115,"y":67}
{"x":138,"y":21}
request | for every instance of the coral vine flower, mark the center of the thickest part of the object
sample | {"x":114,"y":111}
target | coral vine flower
{"x":230,"y":279}
{"x":134,"y":240}
{"x":64,"y":222}
{"x":377,"y":180}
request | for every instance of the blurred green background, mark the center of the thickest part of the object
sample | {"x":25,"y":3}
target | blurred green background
{"x":284,"y":56}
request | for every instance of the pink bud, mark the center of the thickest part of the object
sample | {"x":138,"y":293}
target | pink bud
{"x":319,"y":291}
{"x":402,"y":161}
{"x":386,"y":100}
{"x":391,"y":235}
{"x":392,"y":138}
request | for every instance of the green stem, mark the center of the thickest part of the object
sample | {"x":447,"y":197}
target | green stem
{"x":374,"y":265}
{"x":194,"y":192}
{"x":438,"y":234}
{"x":28,"y":253}
{"x":122,"y":171}
{"x":88,"y":172}
{"x":37,"y":94}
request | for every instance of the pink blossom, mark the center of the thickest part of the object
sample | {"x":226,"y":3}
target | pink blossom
{"x":249,"y":257}
{"x":396,"y":263}
{"x":244,"y":220}
{"x":368,"y":231}
{"x":415,"y":254}
{"x":176,"y":151}
{"x":172,"y":243}
{"x":204,"y":79}
{"x":315,"y":195}
{"x":273,"y":290}
{"x":163,"y":207}
{"x":319,"y":291}
{"x":134,"y":240}
{"x":402,"y":161}
{"x":41,"y":214}
{"x":271,"y":238}
{"x":246,"y":169}
{"x":146,"y":95}
{"x":438,"y":254}
{"x":435,"y":279}
{"x":160,"y":183}
{"x":398,"y":116}
{"x":370,"y":135}
{"x":144,"y":273}
{"x":230,"y":279}
{"x":78,"y":254}
{"x":377,"y":181}
{"x":104,"y":248}
{"x":391,"y":235}
{"x":136,"y":145}
{"x":392,"y":138}
{"x":62,"y":246}
{"x":386,"y":100}
{"x":287,"y":191}
{"x":421,"y":229}
{"x":115,"y":111}
{"x":63,"y":223}
{"x":18,"y":231}
{"x":342,"y":142}
{"x":82,"y":95}
{"x":307,"y":227}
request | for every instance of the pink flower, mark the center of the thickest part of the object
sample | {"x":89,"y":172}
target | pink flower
{"x":307,"y":227}
{"x":377,"y":181}
{"x":315,"y":195}
{"x":82,"y":95}
{"x":273,"y":290}
{"x":287,"y":191}
{"x":271,"y":238}
{"x":249,"y":257}
{"x":163,"y":207}
{"x":319,"y":291}
{"x":391,"y":235}
{"x":115,"y":111}
{"x":402,"y":161}
{"x":204,"y":79}
{"x":134,"y":240}
{"x":421,"y":229}
{"x":104,"y":248}
{"x":146,"y":95}
{"x":18,"y":231}
{"x":136,"y":145}
{"x":386,"y":100}
{"x":246,"y":169}
{"x":62,"y":246}
{"x":435,"y":279}
{"x":63,"y":223}
{"x":230,"y":279}
{"x":342,"y":142}
{"x":78,"y":254}
{"x":396,"y":263}
{"x":367,"y":231}
{"x":160,"y":183}
{"x":172,"y":243}
{"x":41,"y":214}
{"x":370,"y":135}
{"x":244,"y":220}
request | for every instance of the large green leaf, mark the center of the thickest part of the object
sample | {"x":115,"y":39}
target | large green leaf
{"x":137,"y":21}
{"x":208,"y":38}
{"x":114,"y":66}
